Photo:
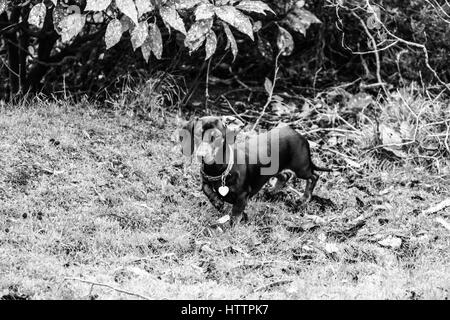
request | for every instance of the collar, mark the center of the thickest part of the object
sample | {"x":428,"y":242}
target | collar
{"x":225,"y":173}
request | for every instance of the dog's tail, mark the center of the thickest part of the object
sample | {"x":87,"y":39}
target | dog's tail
{"x":316,"y":168}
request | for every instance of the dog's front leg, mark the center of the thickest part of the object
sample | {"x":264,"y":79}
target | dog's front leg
{"x":213,"y":197}
{"x":237,"y":213}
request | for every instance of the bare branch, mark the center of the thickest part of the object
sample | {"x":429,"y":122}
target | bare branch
{"x":412,"y":44}
{"x":375,"y":51}
{"x":269,"y":99}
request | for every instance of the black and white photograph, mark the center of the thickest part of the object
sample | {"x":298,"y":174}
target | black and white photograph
{"x":224,"y":150}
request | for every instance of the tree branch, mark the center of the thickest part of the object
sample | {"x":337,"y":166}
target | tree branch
{"x":269,"y":98}
{"x":375,"y":52}
{"x":109,"y":286}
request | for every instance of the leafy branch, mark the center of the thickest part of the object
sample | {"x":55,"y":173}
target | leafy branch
{"x":140,"y":17}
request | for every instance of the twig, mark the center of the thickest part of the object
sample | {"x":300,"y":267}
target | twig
{"x":378,"y":50}
{"x":397,"y":62}
{"x":109,"y":286}
{"x":231,"y":107}
{"x":315,"y":78}
{"x":6,"y":29}
{"x":442,"y":205}
{"x":246,"y":263}
{"x":438,"y":7}
{"x":269,"y":99}
{"x":447,"y":134}
{"x":376,"y":53}
{"x":348,"y":159}
{"x":193,"y":87}
{"x":346,"y":122}
{"x":412,"y":44}
{"x":387,"y":145}
{"x":207,"y":84}
{"x":295,"y":191}
{"x":417,"y":116}
{"x":345,"y":85}
{"x":444,"y":223}
{"x":331,"y":129}
{"x":155,"y":257}
{"x":8,"y":67}
{"x":272,"y":284}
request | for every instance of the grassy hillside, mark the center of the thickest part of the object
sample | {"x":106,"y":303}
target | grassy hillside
{"x":102,"y":197}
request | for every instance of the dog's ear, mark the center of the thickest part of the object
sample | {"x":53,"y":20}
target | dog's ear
{"x":233,"y":124}
{"x":187,"y":137}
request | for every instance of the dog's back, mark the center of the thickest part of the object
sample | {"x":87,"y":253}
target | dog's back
{"x":280,"y":144}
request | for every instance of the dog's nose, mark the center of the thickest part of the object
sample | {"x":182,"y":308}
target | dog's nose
{"x":175,"y":137}
{"x":203,"y":150}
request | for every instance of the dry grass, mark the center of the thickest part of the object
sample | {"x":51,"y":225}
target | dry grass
{"x":102,"y":197}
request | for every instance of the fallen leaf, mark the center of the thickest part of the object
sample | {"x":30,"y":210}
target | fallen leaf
{"x":315,"y":219}
{"x":352,"y":163}
{"x":322,"y":237}
{"x":442,"y":205}
{"x":308,"y":248}
{"x":386,"y":191}
{"x":391,"y":242}
{"x":444,"y":223}
{"x":359,"y":102}
{"x":205,"y":248}
{"x":331,"y":248}
{"x":234,"y":249}
{"x":223,"y":219}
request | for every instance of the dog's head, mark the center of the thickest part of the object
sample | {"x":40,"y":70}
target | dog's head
{"x":208,"y":135}
{"x":184,"y":135}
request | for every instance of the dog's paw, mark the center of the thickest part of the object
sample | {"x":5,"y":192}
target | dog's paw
{"x":219,"y":205}
{"x":305,"y":199}
{"x":237,"y":219}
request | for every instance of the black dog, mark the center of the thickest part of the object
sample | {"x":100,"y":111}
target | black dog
{"x":234,"y":172}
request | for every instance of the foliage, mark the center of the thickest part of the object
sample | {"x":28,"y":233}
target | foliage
{"x":56,"y":48}
{"x":175,"y":15}
{"x":147,"y":23}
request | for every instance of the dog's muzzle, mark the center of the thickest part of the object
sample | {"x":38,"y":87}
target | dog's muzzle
{"x":205,"y":151}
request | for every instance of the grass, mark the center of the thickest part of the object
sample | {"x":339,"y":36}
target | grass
{"x":104,"y":198}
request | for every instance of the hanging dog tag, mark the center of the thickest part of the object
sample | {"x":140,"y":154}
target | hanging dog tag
{"x":223,"y":190}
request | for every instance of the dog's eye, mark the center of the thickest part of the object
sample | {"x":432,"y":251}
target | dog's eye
{"x":181,"y":138}
{"x":211,"y":139}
